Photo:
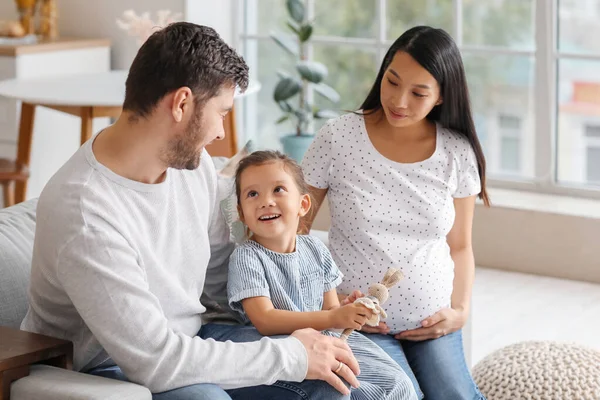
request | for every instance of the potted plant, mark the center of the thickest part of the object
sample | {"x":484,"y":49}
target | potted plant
{"x":292,"y":91}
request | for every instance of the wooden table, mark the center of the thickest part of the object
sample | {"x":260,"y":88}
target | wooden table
{"x":86,"y":96}
{"x":20,"y":349}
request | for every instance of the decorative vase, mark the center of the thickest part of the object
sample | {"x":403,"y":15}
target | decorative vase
{"x":296,"y":145}
{"x":48,"y":19}
{"x":26,"y":13}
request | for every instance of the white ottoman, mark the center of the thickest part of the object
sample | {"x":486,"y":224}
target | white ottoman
{"x":540,"y":370}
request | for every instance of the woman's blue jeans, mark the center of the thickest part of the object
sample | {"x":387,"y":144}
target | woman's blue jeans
{"x":437,"y":367}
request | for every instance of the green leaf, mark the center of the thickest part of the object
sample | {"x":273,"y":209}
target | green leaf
{"x":327,"y":91}
{"x":326,"y":114}
{"x":312,"y":71}
{"x":286,"y":43}
{"x":282,"y":119}
{"x":285,"y":106}
{"x":305,"y":32}
{"x":293,"y":27}
{"x":296,"y":10}
{"x":282,"y":74}
{"x":286,"y":88}
{"x":304,"y":118}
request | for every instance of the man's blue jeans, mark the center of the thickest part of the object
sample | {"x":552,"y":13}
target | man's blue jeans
{"x":309,"y":389}
{"x":439,"y":365}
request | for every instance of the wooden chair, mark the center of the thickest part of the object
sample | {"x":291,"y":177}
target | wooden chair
{"x":10,"y":173}
{"x":228,"y":146}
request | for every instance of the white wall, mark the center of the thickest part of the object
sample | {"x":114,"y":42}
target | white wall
{"x":96,"y":19}
{"x":92,"y":18}
{"x":204,"y":12}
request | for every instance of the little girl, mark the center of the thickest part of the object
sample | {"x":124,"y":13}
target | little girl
{"x":280,"y":281}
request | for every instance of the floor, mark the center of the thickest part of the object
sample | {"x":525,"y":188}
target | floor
{"x":512,"y":307}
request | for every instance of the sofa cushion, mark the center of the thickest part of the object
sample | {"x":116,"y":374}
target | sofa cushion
{"x":50,"y":383}
{"x":17,"y":230}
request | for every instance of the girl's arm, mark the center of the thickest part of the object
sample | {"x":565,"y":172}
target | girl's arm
{"x":317,"y":196}
{"x":331,"y":300}
{"x":270,"y":321}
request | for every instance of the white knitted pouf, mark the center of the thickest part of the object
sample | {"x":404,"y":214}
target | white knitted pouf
{"x":540,"y":370}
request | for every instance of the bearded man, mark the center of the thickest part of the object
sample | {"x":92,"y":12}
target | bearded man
{"x":129,"y":237}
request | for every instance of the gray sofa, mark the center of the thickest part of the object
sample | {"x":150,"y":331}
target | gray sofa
{"x":17,"y":228}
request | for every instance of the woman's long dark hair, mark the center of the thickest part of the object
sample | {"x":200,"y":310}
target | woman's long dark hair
{"x":435,"y":51}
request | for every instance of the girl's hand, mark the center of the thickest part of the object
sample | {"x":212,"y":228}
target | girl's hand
{"x":382,"y":328}
{"x":443,"y":322}
{"x":352,"y":298}
{"x":350,"y":316}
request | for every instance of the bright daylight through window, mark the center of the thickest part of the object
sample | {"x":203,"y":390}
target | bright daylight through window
{"x":533,"y":68}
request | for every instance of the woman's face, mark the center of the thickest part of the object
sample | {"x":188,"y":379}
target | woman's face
{"x":408,"y":91}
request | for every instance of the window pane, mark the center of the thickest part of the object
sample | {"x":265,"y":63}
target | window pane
{"x":592,"y":131}
{"x":510,"y":155}
{"x":593,"y":165}
{"x":263,"y":16}
{"x":506,"y":23}
{"x":501,"y":89}
{"x":578,"y":119}
{"x":346,"y":18}
{"x":578,"y":28}
{"x":352,"y":80}
{"x":404,"y":14}
{"x":264,"y":58}
{"x":509,"y":123}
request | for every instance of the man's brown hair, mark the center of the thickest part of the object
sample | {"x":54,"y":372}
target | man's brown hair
{"x":182,"y":54}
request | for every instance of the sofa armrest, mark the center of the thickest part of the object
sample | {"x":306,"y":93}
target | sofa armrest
{"x":51,"y":383}
{"x":323,"y":235}
{"x":19,"y":350}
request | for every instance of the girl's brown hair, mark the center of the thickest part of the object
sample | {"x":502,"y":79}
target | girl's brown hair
{"x":262,"y":157}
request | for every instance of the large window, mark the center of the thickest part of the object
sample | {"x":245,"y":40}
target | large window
{"x":578,"y":61}
{"x":533,"y":69}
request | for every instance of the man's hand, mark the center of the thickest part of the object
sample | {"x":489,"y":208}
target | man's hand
{"x":443,"y":322}
{"x":351,"y":316}
{"x":324,"y":356}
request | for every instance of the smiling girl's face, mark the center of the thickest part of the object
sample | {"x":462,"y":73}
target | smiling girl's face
{"x":271,"y":204}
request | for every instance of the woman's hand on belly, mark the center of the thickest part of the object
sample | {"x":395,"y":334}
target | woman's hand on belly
{"x":443,"y":322}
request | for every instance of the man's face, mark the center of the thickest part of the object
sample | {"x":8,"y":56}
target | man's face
{"x":203,"y":127}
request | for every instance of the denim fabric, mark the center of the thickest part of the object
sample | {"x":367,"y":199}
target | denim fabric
{"x":439,"y":365}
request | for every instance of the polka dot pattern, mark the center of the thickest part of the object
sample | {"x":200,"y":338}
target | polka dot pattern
{"x":388,"y":214}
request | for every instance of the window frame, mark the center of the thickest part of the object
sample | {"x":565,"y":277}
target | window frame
{"x":546,"y":56}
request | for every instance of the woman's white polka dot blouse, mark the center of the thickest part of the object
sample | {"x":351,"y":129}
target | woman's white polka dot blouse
{"x":389,"y":214}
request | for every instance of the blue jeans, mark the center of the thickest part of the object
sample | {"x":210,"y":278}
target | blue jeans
{"x":309,"y":389}
{"x":203,"y":391}
{"x":438,"y":364}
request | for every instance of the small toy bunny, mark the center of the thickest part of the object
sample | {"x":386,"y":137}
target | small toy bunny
{"x":378,"y":294}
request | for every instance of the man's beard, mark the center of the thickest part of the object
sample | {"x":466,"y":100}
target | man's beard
{"x":183,"y":152}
